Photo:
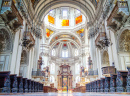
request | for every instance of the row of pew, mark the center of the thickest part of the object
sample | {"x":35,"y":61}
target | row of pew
{"x":11,"y":83}
{"x":119,"y":82}
{"x":49,"y":89}
{"x":81,"y":89}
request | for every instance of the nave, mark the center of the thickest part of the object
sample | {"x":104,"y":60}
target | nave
{"x":77,"y":46}
{"x":69,"y":94}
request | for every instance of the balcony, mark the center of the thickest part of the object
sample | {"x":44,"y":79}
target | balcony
{"x":30,"y":42}
{"x":11,"y":15}
{"x":99,"y":42}
{"x":118,"y":15}
{"x":91,"y":73}
{"x":106,"y":71}
{"x":38,"y":74}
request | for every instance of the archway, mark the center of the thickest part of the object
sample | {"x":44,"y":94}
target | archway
{"x":124,"y":49}
{"x":105,"y":59}
{"x":23,"y":64}
{"x":5,"y":49}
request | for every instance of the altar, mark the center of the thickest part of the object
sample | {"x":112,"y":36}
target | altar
{"x":64,"y":79}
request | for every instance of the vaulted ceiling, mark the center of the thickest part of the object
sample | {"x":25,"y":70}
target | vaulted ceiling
{"x":42,"y":7}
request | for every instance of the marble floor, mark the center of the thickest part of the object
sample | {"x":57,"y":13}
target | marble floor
{"x":66,"y":94}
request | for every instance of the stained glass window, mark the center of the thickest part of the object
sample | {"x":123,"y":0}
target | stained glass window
{"x":48,"y":32}
{"x":80,"y":32}
{"x":51,"y":19}
{"x":78,"y":19}
{"x":65,"y":22}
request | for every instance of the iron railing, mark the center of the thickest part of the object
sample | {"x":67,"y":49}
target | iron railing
{"x":91,"y":73}
{"x":38,"y":73}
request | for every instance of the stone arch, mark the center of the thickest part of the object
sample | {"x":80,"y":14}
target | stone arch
{"x":40,"y":9}
{"x":5,"y":40}
{"x":23,"y":64}
{"x":127,"y":28}
{"x":105,"y":59}
{"x":24,"y":58}
{"x":123,"y":46}
{"x":6,"y":44}
{"x":124,"y":41}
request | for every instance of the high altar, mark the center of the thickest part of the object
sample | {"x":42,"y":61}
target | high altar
{"x":64,"y":78}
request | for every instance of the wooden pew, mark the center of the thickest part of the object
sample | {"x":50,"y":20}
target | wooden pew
{"x":102,"y":84}
{"x":38,"y":90}
{"x":13,"y":83}
{"x":40,"y":87}
{"x":107,"y":84}
{"x":29,"y":85}
{"x":25,"y":85}
{"x":95,"y":86}
{"x":32,"y":86}
{"x":5,"y":82}
{"x":35,"y":86}
{"x":121,"y":81}
{"x":20,"y":84}
{"x":98,"y":85}
{"x":82,"y":89}
{"x":113,"y":82}
{"x":88,"y":87}
{"x":45,"y":88}
{"x":128,"y":80}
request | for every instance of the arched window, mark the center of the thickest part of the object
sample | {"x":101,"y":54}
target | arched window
{"x":77,"y":68}
{"x":64,"y":53}
{"x":23,"y":58}
{"x":52,"y":68}
{"x":53,"y":52}
{"x":76,"y":52}
{"x":65,"y":13}
{"x":105,"y":59}
{"x":77,"y":79}
{"x":52,"y":79}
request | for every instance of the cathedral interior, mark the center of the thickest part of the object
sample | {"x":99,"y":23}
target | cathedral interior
{"x":64,"y":46}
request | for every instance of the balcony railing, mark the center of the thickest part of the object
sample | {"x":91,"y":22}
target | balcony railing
{"x":10,"y":14}
{"x":38,"y":74}
{"x":91,"y":73}
{"x":119,"y":14}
